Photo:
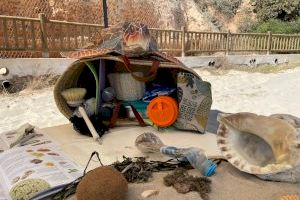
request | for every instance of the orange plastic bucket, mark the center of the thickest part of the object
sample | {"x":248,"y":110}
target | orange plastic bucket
{"x":163,"y":111}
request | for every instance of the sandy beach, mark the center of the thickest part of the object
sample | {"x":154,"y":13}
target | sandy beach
{"x":37,"y":108}
{"x":233,"y":91}
{"x":260,"y":93}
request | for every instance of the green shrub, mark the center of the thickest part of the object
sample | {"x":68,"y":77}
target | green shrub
{"x":296,"y":25}
{"x":285,"y":10}
{"x":274,"y":25}
{"x":278,"y":26}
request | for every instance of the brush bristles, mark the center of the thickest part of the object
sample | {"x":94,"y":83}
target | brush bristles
{"x":74,"y":95}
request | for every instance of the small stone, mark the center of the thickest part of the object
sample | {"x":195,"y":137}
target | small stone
{"x":149,"y":193}
{"x":3,"y":71}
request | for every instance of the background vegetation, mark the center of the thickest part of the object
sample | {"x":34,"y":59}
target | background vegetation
{"x":278,"y":16}
{"x":226,"y":7}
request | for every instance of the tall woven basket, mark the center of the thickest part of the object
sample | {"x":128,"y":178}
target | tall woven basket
{"x":78,"y":75}
{"x":69,"y":79}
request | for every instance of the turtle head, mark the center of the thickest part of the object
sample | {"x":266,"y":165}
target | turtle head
{"x":137,"y":39}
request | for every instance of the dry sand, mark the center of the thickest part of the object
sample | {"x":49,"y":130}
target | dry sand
{"x":233,"y":91}
{"x":266,"y":94}
{"x":227,"y":184}
{"x":37,"y":108}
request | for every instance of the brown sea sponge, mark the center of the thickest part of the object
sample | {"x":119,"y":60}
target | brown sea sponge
{"x":102,"y":183}
{"x":184,"y":183}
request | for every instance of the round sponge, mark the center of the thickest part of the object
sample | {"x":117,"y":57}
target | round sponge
{"x":28,"y":188}
{"x":102,"y":183}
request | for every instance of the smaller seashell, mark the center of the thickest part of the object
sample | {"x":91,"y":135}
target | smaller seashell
{"x":149,"y":193}
{"x":148,"y":143}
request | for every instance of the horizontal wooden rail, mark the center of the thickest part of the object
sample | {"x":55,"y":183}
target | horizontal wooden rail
{"x":18,"y":18}
{"x":158,"y":29}
{"x":75,"y":23}
{"x":44,"y":35}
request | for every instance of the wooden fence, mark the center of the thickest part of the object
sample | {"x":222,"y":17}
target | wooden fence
{"x":43,"y":35}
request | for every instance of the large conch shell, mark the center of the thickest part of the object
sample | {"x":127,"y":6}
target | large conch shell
{"x":268,"y":147}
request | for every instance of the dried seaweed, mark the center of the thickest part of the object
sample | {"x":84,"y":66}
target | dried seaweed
{"x":138,"y":170}
{"x":184,"y":183}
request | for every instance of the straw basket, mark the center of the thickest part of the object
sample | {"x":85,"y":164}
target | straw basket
{"x":79,"y":75}
{"x":68,"y":80}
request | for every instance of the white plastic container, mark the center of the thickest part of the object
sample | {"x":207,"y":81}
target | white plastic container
{"x":126,"y":87}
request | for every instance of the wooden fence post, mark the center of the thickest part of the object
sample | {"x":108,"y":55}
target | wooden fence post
{"x":228,"y":43}
{"x":269,"y":51}
{"x":182,"y":41}
{"x":6,"y":41}
{"x":45,"y":50}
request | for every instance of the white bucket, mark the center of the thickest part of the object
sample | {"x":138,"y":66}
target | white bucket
{"x":126,"y":87}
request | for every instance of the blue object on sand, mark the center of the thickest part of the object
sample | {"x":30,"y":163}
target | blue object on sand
{"x":157,"y":90}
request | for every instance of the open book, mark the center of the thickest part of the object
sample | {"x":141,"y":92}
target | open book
{"x":20,"y":137}
{"x":38,"y":158}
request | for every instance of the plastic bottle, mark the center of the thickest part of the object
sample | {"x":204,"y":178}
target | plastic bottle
{"x":108,"y":94}
{"x":196,"y":157}
{"x":199,"y":160}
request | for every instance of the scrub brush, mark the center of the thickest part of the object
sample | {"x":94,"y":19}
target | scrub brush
{"x":74,"y":96}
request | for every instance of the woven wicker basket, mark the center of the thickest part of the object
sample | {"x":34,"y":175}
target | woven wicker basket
{"x":68,"y":80}
{"x":78,"y":70}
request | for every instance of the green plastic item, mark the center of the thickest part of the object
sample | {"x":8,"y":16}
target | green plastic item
{"x":93,"y":70}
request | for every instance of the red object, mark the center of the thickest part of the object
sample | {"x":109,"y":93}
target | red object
{"x":138,"y":116}
{"x":163,"y":111}
{"x":115,"y":115}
